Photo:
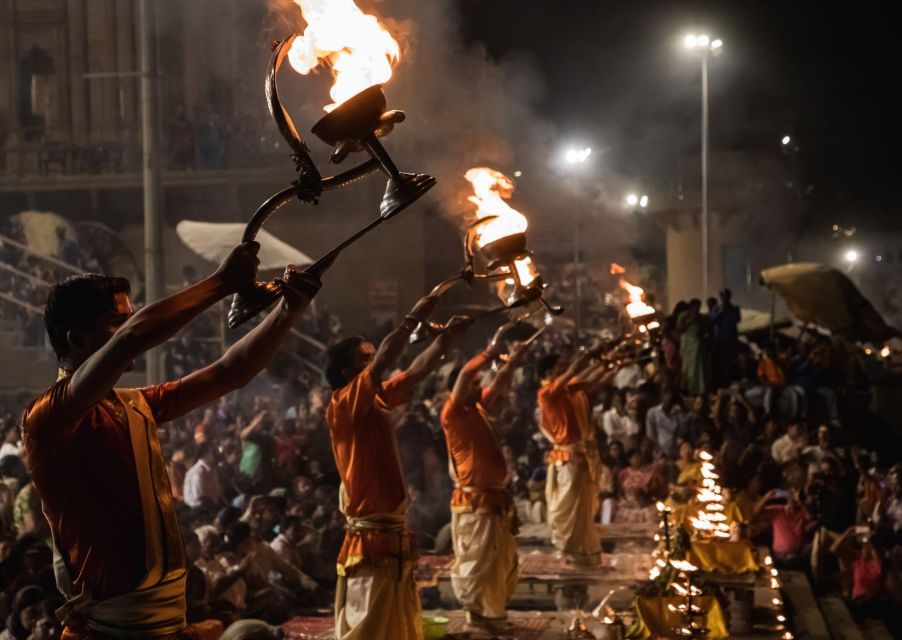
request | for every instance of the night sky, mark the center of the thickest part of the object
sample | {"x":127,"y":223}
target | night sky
{"x":615,"y":74}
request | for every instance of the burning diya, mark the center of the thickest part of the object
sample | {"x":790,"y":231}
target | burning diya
{"x":360,"y":53}
{"x":495,"y":251}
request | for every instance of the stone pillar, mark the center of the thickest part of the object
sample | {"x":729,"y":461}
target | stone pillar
{"x":78,"y":86}
{"x":101,"y":56}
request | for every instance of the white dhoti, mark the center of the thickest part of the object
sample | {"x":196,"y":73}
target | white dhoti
{"x":379,"y":602}
{"x":374,"y":604}
{"x":571,"y":491}
{"x":484,"y":573}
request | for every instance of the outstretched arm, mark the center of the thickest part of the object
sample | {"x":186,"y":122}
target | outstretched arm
{"x":156,"y":323}
{"x":429,"y":359}
{"x":579,"y":363}
{"x":252,"y":353}
{"x":393,"y":344}
{"x":502,"y":382}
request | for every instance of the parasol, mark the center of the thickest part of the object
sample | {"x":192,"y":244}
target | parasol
{"x":214,"y":240}
{"x":820,"y":295}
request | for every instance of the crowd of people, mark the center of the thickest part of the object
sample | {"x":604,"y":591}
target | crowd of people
{"x":257,"y":488}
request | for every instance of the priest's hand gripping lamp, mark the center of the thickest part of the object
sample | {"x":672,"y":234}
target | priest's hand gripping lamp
{"x":356,"y":124}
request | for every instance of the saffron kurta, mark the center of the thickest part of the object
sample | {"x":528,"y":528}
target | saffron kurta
{"x":376,"y":596}
{"x":106,"y":495}
{"x":571,"y":487}
{"x":484,"y":573}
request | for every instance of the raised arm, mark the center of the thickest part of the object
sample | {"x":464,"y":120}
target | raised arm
{"x":470,"y":370}
{"x":252,"y":353}
{"x":393,"y":344}
{"x":431,"y":356}
{"x":156,"y":323}
{"x":502,"y":382}
{"x":579,"y":363}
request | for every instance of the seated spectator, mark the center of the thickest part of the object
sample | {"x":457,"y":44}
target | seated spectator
{"x":698,"y":422}
{"x":792,"y":527}
{"x":617,"y":424}
{"x":832,"y":505}
{"x":25,"y":611}
{"x":202,"y":485}
{"x":788,"y":447}
{"x":825,"y":448}
{"x":664,"y":421}
{"x":12,"y":439}
{"x":687,"y":473}
{"x":638,"y":487}
{"x":860,"y":565}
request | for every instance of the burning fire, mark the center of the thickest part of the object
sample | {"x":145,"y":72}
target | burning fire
{"x":637,"y":306}
{"x":360,"y":51}
{"x":710,"y":521}
{"x":490,"y":190}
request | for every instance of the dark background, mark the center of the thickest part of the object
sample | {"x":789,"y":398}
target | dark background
{"x":616,"y":74}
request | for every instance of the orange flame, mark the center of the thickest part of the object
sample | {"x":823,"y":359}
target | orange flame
{"x":637,"y":307}
{"x":490,"y":190}
{"x":360,"y":51}
{"x":616,"y":269}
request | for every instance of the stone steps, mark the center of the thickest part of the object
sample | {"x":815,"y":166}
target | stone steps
{"x":809,"y":621}
{"x":841,"y":624}
{"x":875,"y":630}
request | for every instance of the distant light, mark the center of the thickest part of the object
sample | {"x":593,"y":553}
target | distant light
{"x":878,"y":258}
{"x":704,"y":41}
{"x":632,"y":199}
{"x":643,"y":201}
{"x":717,"y":44}
{"x":786,"y":140}
{"x":885,"y":352}
{"x":690,"y":41}
{"x":851,"y":255}
{"x":574,"y":156}
{"x":517,"y":174}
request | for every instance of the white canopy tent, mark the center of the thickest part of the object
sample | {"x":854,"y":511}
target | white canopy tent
{"x":213,"y":241}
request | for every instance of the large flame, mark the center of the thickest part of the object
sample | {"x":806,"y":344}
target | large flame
{"x":360,"y":51}
{"x":490,"y":190}
{"x":637,"y":307}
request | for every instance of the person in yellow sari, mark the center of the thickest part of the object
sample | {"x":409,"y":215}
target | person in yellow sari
{"x":688,"y":473}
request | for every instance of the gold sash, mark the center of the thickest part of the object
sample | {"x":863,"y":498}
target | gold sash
{"x":157,"y":605}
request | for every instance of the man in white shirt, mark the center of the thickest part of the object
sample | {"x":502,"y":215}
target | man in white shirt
{"x":663,"y":421}
{"x":12,"y":436}
{"x":287,"y":547}
{"x":202,"y":487}
{"x":788,"y":447}
{"x":617,"y":424}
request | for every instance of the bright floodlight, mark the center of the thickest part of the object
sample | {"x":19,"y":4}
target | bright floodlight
{"x":851,"y":255}
{"x":786,"y":140}
{"x":632,"y":199}
{"x":716,"y":44}
{"x":704,"y":41}
{"x":574,"y":156}
{"x":690,"y":41}
{"x":517,"y":174}
{"x":643,"y":201}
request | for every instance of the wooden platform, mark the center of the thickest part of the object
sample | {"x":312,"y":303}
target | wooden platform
{"x":524,"y":625}
{"x":540,"y":535}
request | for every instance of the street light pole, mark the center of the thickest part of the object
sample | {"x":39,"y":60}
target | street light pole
{"x":150,"y":142}
{"x":578,"y":303}
{"x":576,"y":157}
{"x":704,"y":220}
{"x":705,"y":46}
